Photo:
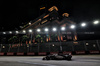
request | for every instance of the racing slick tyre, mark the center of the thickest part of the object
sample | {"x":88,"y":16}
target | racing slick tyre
{"x":44,"y":59}
{"x":69,"y":59}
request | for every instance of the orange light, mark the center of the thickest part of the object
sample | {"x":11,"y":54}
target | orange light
{"x":52,"y":8}
{"x":75,"y":38}
{"x":65,"y":14}
{"x":46,"y":16}
{"x":30,"y":42}
{"x":61,"y":38}
{"x":42,"y":8}
{"x":49,"y":38}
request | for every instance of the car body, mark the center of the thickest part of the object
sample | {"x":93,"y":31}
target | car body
{"x":58,"y":57}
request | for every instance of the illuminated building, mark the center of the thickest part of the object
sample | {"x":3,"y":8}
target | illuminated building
{"x":50,"y":20}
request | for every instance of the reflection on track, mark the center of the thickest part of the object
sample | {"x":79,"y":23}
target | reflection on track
{"x":77,"y":60}
{"x":38,"y":64}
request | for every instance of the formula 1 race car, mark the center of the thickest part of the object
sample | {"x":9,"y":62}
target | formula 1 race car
{"x":58,"y":57}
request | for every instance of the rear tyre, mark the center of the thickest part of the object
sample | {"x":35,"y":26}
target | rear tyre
{"x":69,"y":59}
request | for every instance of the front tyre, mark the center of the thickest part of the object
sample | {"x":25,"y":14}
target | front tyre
{"x":44,"y":59}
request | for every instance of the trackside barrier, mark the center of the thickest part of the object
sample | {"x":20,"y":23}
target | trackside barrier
{"x":67,"y":52}
{"x":80,"y":52}
{"x":1,"y":53}
{"x":31,"y":53}
{"x":53,"y":52}
{"x":94,"y":52}
{"x":42,"y":53}
{"x":20,"y":53}
{"x":10,"y":53}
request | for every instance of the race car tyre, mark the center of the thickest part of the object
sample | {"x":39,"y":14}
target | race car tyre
{"x":44,"y":59}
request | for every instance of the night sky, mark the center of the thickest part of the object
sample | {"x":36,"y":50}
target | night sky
{"x":15,"y":13}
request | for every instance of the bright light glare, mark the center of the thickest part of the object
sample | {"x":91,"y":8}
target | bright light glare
{"x":24,"y":31}
{"x":53,"y":45}
{"x":30,"y":30}
{"x":54,"y":29}
{"x":83,"y":24}
{"x":46,"y":29}
{"x":62,"y":28}
{"x":96,"y":22}
{"x":29,"y":23}
{"x":4,"y":32}
{"x":10,"y":32}
{"x":72,"y":26}
{"x":17,"y":32}
{"x":38,"y":30}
